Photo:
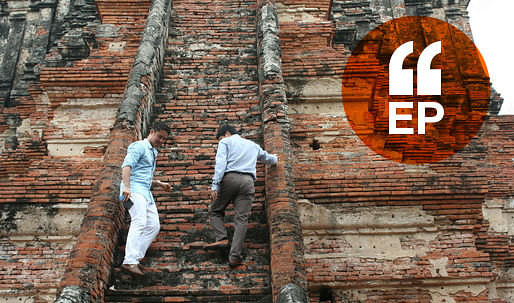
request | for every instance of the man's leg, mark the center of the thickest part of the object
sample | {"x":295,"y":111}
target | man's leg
{"x":242,"y":208}
{"x":218,"y":206}
{"x":138,"y":219}
{"x":150,"y":231}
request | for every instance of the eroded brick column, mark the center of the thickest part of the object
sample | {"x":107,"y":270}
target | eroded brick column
{"x":287,"y":259}
{"x":88,"y":270}
{"x":90,"y":261}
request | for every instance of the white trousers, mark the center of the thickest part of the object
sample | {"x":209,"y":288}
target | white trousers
{"x":144,"y":227}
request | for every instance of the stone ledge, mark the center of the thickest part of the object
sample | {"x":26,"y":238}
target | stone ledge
{"x":395,"y":219}
{"x":61,"y":238}
{"x":421,"y":283}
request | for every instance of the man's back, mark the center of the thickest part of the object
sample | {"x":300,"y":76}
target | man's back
{"x":233,"y":181}
{"x":236,"y":154}
{"x":241,"y":154}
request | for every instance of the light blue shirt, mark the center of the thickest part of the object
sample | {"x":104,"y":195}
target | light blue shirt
{"x":141,"y":156}
{"x":236,"y":154}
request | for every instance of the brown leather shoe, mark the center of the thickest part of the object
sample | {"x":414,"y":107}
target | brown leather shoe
{"x":235,"y":263}
{"x":133,"y":269}
{"x":217,"y":244}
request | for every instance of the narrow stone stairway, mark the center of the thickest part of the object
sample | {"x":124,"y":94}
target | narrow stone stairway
{"x":210,"y":76}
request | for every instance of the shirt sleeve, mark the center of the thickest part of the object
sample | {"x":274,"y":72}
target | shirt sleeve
{"x":134,"y":153}
{"x":221,"y":164}
{"x":266,"y":157}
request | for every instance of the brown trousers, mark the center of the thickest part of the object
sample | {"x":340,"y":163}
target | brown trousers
{"x":239,"y":189}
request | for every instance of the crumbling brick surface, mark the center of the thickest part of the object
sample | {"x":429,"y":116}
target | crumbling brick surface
{"x":336,"y":219}
{"x":209,"y":77}
{"x":372,"y":224}
{"x":287,"y":262}
{"x":59,"y":101}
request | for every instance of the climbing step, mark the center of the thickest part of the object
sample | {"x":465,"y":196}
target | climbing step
{"x":210,"y":76}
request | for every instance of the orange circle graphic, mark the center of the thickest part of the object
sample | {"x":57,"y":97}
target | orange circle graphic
{"x":416,"y":90}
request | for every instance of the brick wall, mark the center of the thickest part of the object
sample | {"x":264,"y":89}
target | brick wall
{"x":88,"y":272}
{"x":373,"y":229}
{"x":209,"y":77}
{"x":59,"y":102}
{"x":334,"y":218}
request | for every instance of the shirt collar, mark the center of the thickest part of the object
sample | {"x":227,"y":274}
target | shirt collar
{"x":231,"y":136}
{"x":147,"y":144}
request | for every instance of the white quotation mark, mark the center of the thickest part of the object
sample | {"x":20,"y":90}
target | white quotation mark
{"x":401,"y":82}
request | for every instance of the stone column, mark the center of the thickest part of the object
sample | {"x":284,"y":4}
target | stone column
{"x":90,"y":263}
{"x":289,"y":280}
{"x":10,"y":56}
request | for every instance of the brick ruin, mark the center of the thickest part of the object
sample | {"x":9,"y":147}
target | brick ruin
{"x":334,"y":222}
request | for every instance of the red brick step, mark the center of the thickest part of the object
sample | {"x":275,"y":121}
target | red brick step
{"x":209,"y":75}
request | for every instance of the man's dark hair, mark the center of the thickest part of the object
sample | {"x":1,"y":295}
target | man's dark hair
{"x":224,"y":129}
{"x":160,"y":125}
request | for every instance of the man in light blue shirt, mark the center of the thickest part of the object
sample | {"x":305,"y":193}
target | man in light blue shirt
{"x":233,"y":181}
{"x":137,"y":179}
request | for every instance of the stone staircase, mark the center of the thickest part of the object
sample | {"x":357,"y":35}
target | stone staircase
{"x":210,"y":76}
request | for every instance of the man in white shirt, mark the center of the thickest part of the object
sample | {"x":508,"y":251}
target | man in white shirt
{"x":137,"y":179}
{"x":233,"y":181}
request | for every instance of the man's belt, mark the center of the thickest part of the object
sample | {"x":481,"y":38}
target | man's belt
{"x":240,"y":173}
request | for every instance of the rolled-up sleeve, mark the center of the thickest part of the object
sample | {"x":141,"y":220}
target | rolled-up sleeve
{"x":266,"y":157}
{"x":221,"y":165}
{"x":134,"y":153}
